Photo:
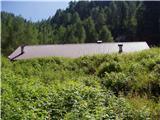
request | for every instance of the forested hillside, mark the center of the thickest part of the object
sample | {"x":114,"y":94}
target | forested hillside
{"x":101,"y":87}
{"x":86,"y":22}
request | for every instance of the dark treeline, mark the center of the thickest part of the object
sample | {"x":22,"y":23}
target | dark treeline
{"x":86,"y":22}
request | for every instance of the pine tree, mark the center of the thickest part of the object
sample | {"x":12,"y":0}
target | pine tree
{"x":105,"y":34}
{"x":91,"y":33}
{"x":61,"y":34}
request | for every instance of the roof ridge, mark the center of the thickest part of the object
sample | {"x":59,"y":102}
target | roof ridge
{"x":86,"y":43}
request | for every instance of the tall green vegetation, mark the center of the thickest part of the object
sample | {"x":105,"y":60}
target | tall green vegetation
{"x":105,"y":34}
{"x":86,"y":22}
{"x":91,"y":32}
{"x":118,"y":86}
{"x":16,"y":31}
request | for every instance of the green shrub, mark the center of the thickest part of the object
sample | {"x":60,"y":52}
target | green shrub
{"x":108,"y":68}
{"x":117,"y":82}
{"x":82,"y":88}
{"x":74,"y":97}
{"x":154,"y":83}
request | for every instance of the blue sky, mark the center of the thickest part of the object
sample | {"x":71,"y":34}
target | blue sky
{"x":33,"y":10}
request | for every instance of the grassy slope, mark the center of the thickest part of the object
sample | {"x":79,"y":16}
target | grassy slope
{"x":124,"y":86}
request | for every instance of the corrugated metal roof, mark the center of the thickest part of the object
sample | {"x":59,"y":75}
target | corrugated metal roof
{"x":76,"y":50}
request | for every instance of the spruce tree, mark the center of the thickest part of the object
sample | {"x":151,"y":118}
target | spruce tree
{"x":105,"y":34}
